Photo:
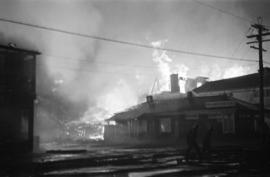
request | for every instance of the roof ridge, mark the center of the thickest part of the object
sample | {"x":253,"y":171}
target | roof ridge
{"x":247,"y":75}
{"x":241,"y":82}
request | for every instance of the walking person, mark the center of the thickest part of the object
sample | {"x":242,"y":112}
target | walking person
{"x":207,"y":143}
{"x":192,"y":143}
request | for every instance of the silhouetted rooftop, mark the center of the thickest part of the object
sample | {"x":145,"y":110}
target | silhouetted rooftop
{"x":242,"y":82}
{"x":15,"y":49}
{"x":187,"y":104}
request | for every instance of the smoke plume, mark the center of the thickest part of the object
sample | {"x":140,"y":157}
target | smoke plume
{"x":73,"y":84}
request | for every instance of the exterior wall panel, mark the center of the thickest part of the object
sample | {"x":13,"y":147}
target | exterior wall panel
{"x":17,"y":95}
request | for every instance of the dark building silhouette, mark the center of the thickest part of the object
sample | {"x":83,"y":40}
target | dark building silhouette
{"x":245,"y":88}
{"x":17,"y":96}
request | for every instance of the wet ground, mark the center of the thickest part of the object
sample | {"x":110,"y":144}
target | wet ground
{"x":129,"y":162}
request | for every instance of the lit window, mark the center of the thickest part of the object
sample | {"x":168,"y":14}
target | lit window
{"x":112,"y":122}
{"x":165,"y":125}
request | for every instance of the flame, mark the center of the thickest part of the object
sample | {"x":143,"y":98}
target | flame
{"x":163,"y":62}
{"x":118,"y":99}
{"x":115,"y":100}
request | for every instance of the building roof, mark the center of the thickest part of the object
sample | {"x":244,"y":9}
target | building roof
{"x":3,"y":47}
{"x":178,"y":106}
{"x":171,"y":105}
{"x":242,"y":82}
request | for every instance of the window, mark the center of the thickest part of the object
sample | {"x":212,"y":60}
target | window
{"x":165,"y":125}
{"x":228,"y":123}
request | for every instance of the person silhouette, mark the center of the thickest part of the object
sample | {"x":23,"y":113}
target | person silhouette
{"x":192,"y":143}
{"x":207,"y":142}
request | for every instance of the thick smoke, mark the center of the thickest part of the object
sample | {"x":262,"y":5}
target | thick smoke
{"x":75,"y":87}
{"x":71,"y":90}
{"x":64,"y":85}
{"x":166,"y":66}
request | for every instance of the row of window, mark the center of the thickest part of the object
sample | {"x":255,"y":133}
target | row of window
{"x":165,"y":124}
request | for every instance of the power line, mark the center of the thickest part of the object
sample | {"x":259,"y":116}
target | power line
{"x":226,"y":12}
{"x":266,"y":62}
{"x":125,"y":42}
{"x":91,"y":71}
{"x":114,"y":64}
{"x":99,"y":62}
{"x":223,"y":11}
{"x":98,"y":71}
{"x":241,"y":42}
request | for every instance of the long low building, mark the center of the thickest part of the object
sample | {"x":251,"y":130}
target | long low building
{"x":167,"y":121}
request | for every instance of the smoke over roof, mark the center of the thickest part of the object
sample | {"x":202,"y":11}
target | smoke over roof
{"x":85,"y":79}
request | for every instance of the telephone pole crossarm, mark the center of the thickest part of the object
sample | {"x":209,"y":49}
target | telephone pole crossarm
{"x":256,"y":35}
{"x":252,"y":42}
{"x":253,"y":47}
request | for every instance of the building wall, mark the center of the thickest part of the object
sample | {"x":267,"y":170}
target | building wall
{"x":17,"y":94}
{"x":246,"y":124}
{"x":14,"y":130}
{"x":173,"y":129}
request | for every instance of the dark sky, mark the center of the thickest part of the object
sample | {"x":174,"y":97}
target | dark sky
{"x":114,"y":76}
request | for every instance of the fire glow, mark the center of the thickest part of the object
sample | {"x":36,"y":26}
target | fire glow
{"x":165,"y":69}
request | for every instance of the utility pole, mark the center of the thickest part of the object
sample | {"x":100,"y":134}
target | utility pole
{"x":261,"y":31}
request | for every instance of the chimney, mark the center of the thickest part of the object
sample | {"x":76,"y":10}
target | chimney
{"x":190,"y":97}
{"x":150,"y":101}
{"x":175,"y":83}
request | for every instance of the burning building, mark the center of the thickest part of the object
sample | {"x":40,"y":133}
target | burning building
{"x":18,"y":92}
{"x":194,"y":83}
{"x":167,"y":121}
